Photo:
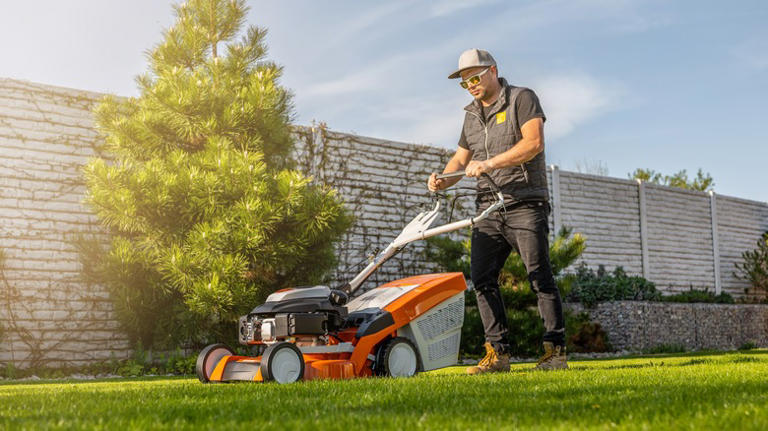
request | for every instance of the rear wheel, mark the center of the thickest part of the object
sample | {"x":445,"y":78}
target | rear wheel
{"x":398,"y":358}
{"x":283,"y":363}
{"x":209,"y":358}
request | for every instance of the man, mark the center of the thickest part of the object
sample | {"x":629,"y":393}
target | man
{"x":503,"y":136}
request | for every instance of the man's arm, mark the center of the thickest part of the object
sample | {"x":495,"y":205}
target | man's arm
{"x":526,"y":148}
{"x":458,"y":162}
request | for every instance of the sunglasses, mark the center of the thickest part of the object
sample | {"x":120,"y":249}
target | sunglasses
{"x":473,"y":80}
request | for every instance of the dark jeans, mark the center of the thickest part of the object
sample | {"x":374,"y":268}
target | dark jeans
{"x":522,"y":228}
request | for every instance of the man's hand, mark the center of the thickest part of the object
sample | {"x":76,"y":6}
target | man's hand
{"x":457,"y":163}
{"x":434,"y":184}
{"x":476,"y":167}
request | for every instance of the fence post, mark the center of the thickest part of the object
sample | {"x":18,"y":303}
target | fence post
{"x":557,"y":221}
{"x":715,"y":242}
{"x":643,"y":229}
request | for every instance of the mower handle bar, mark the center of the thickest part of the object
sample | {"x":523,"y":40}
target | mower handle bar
{"x":494,"y":187}
{"x":418,"y":229}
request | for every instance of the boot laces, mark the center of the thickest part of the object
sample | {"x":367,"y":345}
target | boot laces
{"x":490,"y":357}
{"x":547,"y":356}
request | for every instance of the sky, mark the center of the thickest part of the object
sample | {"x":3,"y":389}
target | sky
{"x":625,"y":84}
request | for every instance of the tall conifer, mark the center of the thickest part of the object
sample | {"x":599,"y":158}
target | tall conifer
{"x":206,"y":214}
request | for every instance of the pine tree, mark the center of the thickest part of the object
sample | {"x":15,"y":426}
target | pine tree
{"x":206,"y":215}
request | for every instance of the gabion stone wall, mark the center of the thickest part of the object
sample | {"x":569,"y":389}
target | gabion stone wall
{"x":638,"y":325}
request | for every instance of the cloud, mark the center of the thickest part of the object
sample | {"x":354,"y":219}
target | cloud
{"x":425,"y":119}
{"x":351,"y":83}
{"x":573,"y":100}
{"x":368,"y":19}
{"x":448,"y":7}
{"x":372,"y":99}
{"x":360,"y":79}
{"x":752,"y":54}
{"x":607,"y":16}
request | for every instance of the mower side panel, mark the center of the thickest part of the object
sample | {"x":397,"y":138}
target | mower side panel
{"x":437,"y":333}
{"x":431,"y":290}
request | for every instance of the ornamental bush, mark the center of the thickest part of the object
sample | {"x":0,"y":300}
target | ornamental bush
{"x":591,"y":287}
{"x":197,"y":190}
{"x":696,"y":295}
{"x":754,"y":269}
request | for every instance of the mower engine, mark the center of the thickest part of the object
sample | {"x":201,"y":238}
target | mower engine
{"x":304,"y":316}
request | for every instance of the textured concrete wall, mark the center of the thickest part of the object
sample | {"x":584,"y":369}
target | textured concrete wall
{"x":384,"y":185}
{"x":606,"y":211}
{"x":739,"y":224}
{"x":680,"y":238}
{"x":676,"y":227}
{"x":638,"y":325}
{"x":47,"y":314}
{"x":47,"y":135}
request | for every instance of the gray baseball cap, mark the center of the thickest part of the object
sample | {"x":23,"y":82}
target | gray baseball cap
{"x":473,"y":58}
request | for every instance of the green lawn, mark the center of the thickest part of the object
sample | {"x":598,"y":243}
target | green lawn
{"x":715,"y":391}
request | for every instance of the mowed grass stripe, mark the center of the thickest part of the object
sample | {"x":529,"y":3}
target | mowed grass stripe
{"x":725,"y":391}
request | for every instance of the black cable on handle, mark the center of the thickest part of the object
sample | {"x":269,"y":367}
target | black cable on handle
{"x":494,"y":187}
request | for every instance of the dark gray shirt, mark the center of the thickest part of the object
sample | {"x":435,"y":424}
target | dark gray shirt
{"x":491,"y":130}
{"x":527,"y":106}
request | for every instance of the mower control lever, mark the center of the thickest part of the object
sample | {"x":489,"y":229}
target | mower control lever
{"x":494,"y":187}
{"x":450,"y":175}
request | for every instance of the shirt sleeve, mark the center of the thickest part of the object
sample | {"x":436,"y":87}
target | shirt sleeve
{"x":463,"y":140}
{"x":528,"y":107}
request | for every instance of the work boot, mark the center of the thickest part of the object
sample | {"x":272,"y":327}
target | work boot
{"x":491,"y":363}
{"x":553,"y":359}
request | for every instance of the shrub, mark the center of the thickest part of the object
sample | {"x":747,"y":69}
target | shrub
{"x":177,"y":363}
{"x":584,"y":335}
{"x":526,"y":330}
{"x":9,"y":371}
{"x":448,"y":254}
{"x":754,"y":268}
{"x":472,"y":333}
{"x":749,"y":345}
{"x":591,"y":287}
{"x":694,"y":295}
{"x":665,"y":348}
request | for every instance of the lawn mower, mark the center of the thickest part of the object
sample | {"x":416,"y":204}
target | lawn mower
{"x":396,"y":329}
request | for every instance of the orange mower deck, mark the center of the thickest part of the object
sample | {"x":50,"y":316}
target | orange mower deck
{"x":358,"y":349}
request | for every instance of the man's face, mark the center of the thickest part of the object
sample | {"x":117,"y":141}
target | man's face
{"x":480,"y":90}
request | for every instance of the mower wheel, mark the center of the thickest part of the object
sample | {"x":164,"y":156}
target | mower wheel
{"x":209,"y":358}
{"x":398,"y":358}
{"x":283,"y":363}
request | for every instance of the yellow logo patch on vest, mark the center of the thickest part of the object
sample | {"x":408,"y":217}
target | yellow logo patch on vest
{"x":501,"y":117}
